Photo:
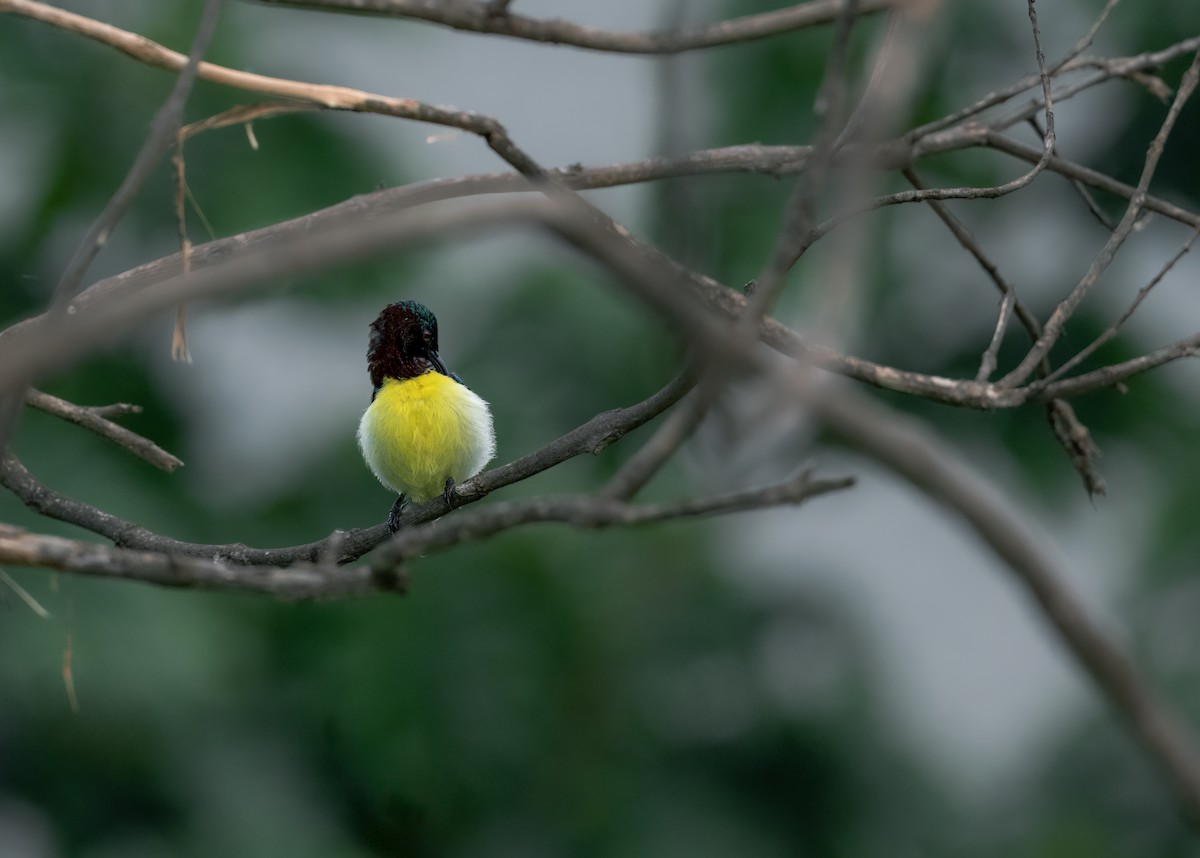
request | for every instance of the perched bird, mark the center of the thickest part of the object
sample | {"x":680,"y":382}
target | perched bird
{"x":425,"y":430}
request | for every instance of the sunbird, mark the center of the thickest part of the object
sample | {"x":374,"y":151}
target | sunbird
{"x":424,"y":431}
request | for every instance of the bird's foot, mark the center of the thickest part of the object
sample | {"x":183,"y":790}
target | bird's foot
{"x":448,"y":494}
{"x":393,"y":519}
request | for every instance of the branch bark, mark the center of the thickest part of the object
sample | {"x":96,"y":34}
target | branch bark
{"x":476,"y":17}
{"x":96,"y":420}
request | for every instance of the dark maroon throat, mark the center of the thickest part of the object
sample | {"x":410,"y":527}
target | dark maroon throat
{"x":403,"y":342}
{"x":387,"y":361}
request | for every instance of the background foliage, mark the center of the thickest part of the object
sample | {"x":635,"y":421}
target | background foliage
{"x":547,"y":692}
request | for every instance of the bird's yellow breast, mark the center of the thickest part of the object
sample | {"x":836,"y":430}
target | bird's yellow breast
{"x":420,"y":432}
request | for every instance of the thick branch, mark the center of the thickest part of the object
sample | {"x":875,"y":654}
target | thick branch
{"x":917,"y":456}
{"x":306,"y":581}
{"x":321,"y":579}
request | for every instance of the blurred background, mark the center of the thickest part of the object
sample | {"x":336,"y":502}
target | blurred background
{"x":857,"y":677}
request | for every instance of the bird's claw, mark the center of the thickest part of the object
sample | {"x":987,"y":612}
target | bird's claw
{"x":393,"y":519}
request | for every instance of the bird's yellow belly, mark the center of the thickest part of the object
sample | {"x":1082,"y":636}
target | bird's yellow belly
{"x":420,"y":432}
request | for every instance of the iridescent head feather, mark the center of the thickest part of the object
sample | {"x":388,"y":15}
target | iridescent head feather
{"x":403,"y":343}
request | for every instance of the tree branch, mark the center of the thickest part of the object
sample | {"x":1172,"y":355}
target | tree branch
{"x":296,"y":582}
{"x":343,"y":546}
{"x":96,"y":420}
{"x":494,"y":19}
{"x":162,"y":131}
{"x":917,"y":456}
{"x":587,"y":512}
{"x":1066,"y":308}
{"x":323,"y":95}
{"x":321,"y":579}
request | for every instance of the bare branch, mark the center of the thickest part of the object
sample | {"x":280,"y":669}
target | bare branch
{"x":162,"y":133}
{"x":163,"y":129}
{"x":343,"y":546}
{"x":96,"y":420}
{"x":590,"y":512}
{"x":641,"y":467}
{"x":1009,"y":302}
{"x":316,"y":580}
{"x":799,"y":213}
{"x":1070,"y":432}
{"x":322,"y":95}
{"x":1122,"y":67}
{"x":24,"y":347}
{"x":297,"y":582}
{"x":798,"y":216}
{"x":494,"y":18}
{"x":1075,"y":438}
{"x":1093,"y":178}
{"x":915,"y":454}
{"x":1114,"y":374}
{"x":103,"y":314}
{"x":1066,"y":308}
{"x":1111,"y":330}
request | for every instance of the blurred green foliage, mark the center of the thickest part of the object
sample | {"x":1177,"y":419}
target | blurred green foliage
{"x":548,"y":692}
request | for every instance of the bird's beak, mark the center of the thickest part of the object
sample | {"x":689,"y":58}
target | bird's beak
{"x":436,"y":360}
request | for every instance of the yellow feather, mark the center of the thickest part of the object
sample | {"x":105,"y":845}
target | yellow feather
{"x":419,"y":432}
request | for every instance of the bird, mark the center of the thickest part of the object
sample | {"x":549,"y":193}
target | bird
{"x":424,"y":431}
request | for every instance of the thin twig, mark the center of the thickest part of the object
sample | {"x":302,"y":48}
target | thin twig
{"x":1000,"y":96}
{"x":96,"y":420}
{"x":649,"y":459}
{"x":798,"y":216}
{"x":162,"y":131}
{"x":322,"y":95}
{"x":867,"y":103}
{"x":987,"y":363}
{"x":1068,"y":430}
{"x":1009,"y":302}
{"x":1111,"y":330}
{"x":589,"y":512}
{"x":1114,"y":374}
{"x":166,"y":121}
{"x":480,"y":17}
{"x":242,"y":114}
{"x":68,"y":669}
{"x":1080,"y":187}
{"x":24,"y":595}
{"x":1094,"y":178}
{"x":800,"y":210}
{"x":1053,"y":328}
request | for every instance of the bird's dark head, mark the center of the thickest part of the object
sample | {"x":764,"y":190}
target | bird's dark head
{"x":404,"y":343}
